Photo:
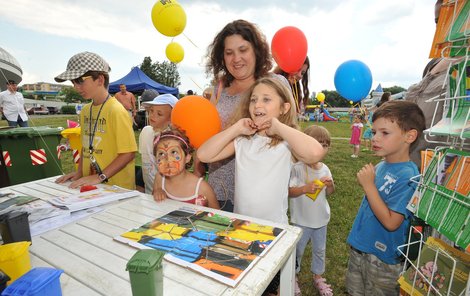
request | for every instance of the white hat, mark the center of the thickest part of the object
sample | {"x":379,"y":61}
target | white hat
{"x":165,"y":99}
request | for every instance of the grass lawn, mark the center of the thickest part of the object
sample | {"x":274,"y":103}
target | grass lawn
{"x":344,"y":202}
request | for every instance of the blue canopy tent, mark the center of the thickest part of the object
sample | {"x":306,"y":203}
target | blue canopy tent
{"x":137,"y":81}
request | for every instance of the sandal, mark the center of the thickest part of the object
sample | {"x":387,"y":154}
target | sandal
{"x":323,"y":288}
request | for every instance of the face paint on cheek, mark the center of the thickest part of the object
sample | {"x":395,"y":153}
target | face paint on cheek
{"x":171,"y":163}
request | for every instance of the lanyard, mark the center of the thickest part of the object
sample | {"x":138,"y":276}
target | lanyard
{"x":92,"y":133}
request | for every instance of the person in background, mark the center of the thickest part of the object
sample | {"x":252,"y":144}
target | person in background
{"x":173,"y":153}
{"x":207,"y":93}
{"x":127,"y":99}
{"x":385,"y":98}
{"x":367,"y":134}
{"x":383,"y":221}
{"x":301,"y":77}
{"x":312,"y":215}
{"x":108,"y":141}
{"x":238,"y":55}
{"x":190,"y":92}
{"x":355,"y":140}
{"x":159,"y":118}
{"x":264,"y":139}
{"x":12,"y":105}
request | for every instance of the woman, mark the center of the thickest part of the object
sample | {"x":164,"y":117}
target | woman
{"x":301,"y":95}
{"x":238,"y":55}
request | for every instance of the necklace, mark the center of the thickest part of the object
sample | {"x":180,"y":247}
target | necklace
{"x":92,"y":132}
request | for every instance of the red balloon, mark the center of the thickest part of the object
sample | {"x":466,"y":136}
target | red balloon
{"x":198,"y":117}
{"x":289,"y":49}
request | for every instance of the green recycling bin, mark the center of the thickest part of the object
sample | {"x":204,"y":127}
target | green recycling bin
{"x":146,"y":273}
{"x":29,"y":153}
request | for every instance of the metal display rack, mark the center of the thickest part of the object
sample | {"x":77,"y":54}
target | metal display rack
{"x":441,"y":203}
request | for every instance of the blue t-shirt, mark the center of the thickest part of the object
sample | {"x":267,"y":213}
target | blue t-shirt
{"x":395,"y":188}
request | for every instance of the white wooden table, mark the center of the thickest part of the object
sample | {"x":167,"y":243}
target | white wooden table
{"x":95,"y":264}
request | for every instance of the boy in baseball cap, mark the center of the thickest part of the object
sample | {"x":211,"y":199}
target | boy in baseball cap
{"x":159,"y":117}
{"x":108,"y":142}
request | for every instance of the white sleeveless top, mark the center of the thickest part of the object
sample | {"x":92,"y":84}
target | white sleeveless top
{"x":190,"y":199}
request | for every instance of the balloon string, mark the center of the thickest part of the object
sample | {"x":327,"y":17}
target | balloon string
{"x":191,"y":41}
{"x":192,"y":80}
{"x":296,"y":96}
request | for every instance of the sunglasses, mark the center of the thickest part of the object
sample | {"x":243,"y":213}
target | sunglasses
{"x":80,"y":80}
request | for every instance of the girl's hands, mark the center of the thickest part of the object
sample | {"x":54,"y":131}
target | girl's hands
{"x":159,"y":194}
{"x":328,"y":181}
{"x":270,"y":126}
{"x":246,"y":126}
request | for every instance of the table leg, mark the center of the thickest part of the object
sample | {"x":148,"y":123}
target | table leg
{"x":288,"y":275}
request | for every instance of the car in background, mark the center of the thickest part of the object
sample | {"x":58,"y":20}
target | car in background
{"x":40,"y":110}
{"x":53,"y":110}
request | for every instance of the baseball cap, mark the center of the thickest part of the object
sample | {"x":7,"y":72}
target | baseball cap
{"x":165,"y":99}
{"x":148,"y":95}
{"x":81,"y":63}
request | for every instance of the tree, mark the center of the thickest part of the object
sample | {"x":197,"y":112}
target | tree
{"x":394,"y":89}
{"x":165,"y":72}
{"x":71,"y":95}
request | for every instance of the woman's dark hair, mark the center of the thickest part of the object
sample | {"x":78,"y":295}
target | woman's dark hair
{"x":249,"y":32}
{"x":296,"y":86}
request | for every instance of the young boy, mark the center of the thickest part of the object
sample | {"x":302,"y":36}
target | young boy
{"x":312,"y":215}
{"x":107,"y":137}
{"x":159,"y":117}
{"x":382,"y":222}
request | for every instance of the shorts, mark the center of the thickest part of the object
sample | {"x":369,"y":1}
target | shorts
{"x":368,"y":275}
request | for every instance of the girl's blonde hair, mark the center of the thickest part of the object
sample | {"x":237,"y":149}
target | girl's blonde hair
{"x":288,"y":118}
{"x":319,"y":133}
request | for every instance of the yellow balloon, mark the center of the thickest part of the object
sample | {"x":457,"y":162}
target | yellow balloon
{"x":174,"y":52}
{"x":320,"y":97}
{"x":168,"y":17}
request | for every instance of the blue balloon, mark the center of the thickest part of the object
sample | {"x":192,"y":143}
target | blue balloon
{"x":353,"y":80}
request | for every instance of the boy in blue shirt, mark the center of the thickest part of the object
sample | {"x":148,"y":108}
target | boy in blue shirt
{"x":382,"y":222}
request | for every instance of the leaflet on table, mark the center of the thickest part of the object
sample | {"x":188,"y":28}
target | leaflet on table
{"x":58,"y":221}
{"x":37,"y":209}
{"x":215,"y":245}
{"x":93,"y":198}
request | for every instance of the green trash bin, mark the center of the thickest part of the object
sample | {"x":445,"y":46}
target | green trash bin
{"x":30,"y":153}
{"x":146,"y":273}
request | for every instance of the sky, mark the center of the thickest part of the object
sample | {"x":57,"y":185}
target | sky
{"x":393,"y":38}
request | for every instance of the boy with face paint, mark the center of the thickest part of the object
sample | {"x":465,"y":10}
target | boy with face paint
{"x":173,"y":154}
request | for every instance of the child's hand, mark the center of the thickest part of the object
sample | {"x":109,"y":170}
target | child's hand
{"x":246,"y":126}
{"x":366,"y":176}
{"x":159,"y":195}
{"x":271,"y":126}
{"x":311,"y":187}
{"x":327,"y":180}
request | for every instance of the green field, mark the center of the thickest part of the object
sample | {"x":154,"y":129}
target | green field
{"x":344,"y":202}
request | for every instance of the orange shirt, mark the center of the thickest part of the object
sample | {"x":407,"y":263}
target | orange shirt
{"x":127,"y":100}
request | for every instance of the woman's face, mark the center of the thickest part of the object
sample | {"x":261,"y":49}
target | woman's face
{"x":171,"y":159}
{"x":239,"y":57}
{"x":297,"y":76}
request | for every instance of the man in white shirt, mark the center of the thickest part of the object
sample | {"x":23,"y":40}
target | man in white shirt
{"x":12,"y":106}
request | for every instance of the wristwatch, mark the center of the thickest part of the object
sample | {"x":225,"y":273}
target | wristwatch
{"x":103,"y":178}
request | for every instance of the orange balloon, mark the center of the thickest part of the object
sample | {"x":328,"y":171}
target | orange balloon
{"x":197,"y":117}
